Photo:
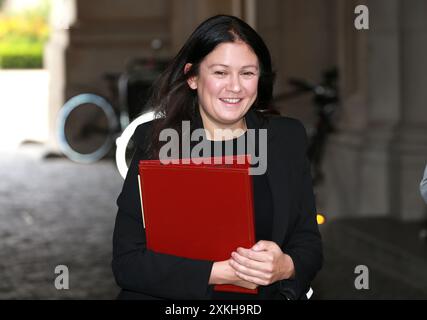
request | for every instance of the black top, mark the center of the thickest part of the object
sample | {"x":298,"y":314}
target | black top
{"x":263,"y":206}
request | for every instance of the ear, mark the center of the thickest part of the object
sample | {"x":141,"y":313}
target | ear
{"x":192,"y":83}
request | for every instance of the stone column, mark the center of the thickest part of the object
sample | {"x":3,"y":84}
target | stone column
{"x":374,"y":164}
{"x":357,"y":160}
{"x":338,"y":196}
{"x":383,"y":92}
{"x":63,"y":16}
{"x":409,"y":149}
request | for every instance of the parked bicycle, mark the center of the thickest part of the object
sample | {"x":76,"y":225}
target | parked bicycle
{"x":88,"y":123}
{"x":325,"y":101}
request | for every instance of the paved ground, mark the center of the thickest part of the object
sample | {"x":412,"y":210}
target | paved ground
{"x":393,"y":253}
{"x":55,"y":212}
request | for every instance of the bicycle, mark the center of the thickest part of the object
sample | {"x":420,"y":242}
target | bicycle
{"x":325,"y":100}
{"x":88,"y":124}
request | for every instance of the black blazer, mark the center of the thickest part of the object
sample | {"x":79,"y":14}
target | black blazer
{"x":143,"y":274}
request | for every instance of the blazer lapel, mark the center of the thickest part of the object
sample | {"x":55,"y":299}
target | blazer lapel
{"x":277,"y":174}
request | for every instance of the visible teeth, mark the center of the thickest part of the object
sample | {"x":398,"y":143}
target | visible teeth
{"x":231,"y":100}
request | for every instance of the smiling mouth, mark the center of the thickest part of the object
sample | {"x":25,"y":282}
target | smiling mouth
{"x":230,"y":100}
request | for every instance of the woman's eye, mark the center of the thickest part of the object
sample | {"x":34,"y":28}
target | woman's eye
{"x":219,"y":73}
{"x":248,"y":74}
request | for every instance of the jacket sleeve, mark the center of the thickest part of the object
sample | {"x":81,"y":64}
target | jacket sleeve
{"x":423,"y":186}
{"x":304,"y":245}
{"x":138,"y":269}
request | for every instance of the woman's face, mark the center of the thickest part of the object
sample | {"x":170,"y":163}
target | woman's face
{"x":226,"y":85}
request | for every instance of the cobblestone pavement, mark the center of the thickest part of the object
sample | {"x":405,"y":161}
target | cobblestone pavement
{"x":56,"y":212}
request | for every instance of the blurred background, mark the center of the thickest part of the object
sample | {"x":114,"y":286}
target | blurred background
{"x":356,"y":81}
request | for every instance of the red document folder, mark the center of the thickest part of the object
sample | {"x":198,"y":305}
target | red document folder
{"x":198,"y":211}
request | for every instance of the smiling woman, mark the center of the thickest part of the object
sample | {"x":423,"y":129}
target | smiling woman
{"x":226,"y":86}
{"x":220,"y":83}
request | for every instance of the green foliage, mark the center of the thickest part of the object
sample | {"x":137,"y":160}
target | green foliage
{"x":21,"y":55}
{"x":22,"y":37}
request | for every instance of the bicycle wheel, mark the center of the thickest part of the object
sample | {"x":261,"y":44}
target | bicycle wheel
{"x":87,"y":126}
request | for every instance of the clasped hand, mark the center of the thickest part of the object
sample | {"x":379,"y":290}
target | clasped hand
{"x":263,"y":264}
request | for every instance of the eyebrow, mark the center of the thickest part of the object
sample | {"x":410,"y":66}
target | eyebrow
{"x":224,"y":65}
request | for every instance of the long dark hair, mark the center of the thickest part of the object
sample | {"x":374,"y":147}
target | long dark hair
{"x":173,"y":99}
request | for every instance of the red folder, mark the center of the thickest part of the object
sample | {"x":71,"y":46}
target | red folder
{"x":198,"y":211}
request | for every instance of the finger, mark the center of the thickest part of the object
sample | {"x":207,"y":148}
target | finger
{"x":248,"y":271}
{"x":262,"y":256}
{"x":252,"y":279}
{"x":249,"y":263}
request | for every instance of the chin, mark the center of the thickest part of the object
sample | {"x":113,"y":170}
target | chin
{"x":227,"y":119}
{"x":231,"y":117}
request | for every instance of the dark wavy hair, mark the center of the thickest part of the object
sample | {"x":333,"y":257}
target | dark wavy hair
{"x":171,"y":96}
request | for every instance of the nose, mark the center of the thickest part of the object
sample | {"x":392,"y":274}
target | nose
{"x":234,"y":83}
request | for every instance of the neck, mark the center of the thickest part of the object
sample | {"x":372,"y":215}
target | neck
{"x":216,"y":132}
